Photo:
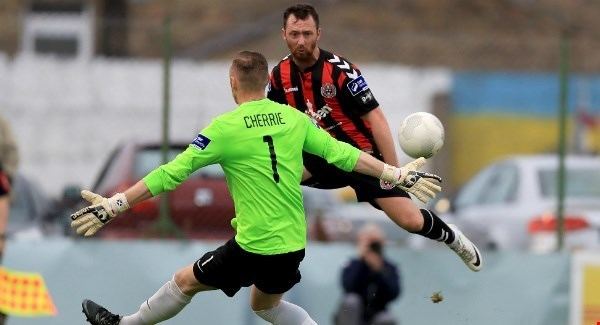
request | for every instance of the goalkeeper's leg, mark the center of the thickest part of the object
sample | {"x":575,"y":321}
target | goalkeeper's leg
{"x":271,"y":308}
{"x":169,"y":300}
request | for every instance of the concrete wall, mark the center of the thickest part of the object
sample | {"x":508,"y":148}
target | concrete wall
{"x":511,"y":289}
{"x":68,"y":116}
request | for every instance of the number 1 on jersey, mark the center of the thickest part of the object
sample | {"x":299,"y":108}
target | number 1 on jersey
{"x":269,"y":140}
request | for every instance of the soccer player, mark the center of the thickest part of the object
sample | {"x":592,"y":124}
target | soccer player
{"x":259,"y":145}
{"x":334,"y":93}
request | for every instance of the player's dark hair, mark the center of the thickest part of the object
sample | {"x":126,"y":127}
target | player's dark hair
{"x":301,"y":11}
{"x":252,"y":70}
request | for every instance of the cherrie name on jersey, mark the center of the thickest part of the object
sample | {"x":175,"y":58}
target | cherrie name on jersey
{"x":259,"y":120}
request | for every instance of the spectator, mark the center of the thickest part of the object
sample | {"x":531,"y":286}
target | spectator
{"x":370,"y":283}
{"x":8,"y":166}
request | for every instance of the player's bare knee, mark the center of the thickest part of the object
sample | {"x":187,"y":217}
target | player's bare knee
{"x":257,"y":305}
{"x":186,"y":282}
{"x":258,"y":302}
{"x":403,"y":212}
{"x":413,"y":221}
{"x":409,"y":220}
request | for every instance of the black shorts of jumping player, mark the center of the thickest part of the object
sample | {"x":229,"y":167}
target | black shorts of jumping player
{"x":229,"y":268}
{"x":327,"y":176}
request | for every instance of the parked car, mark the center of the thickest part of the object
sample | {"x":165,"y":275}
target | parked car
{"x":341,"y":218}
{"x":32,"y":212}
{"x":201,"y":207}
{"x":512,"y":204}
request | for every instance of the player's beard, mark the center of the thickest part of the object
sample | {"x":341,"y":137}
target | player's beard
{"x":304,"y":54}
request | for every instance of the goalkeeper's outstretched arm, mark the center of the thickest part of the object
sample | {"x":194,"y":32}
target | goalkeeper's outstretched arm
{"x":137,"y":193}
{"x":89,"y":220}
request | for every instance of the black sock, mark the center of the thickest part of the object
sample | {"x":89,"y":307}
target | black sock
{"x":434,"y":228}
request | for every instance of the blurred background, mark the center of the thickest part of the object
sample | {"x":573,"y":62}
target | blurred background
{"x":92,"y":88}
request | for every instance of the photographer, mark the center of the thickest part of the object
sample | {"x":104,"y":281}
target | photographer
{"x":370,"y":282}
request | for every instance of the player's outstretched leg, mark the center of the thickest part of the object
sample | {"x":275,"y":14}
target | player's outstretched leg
{"x":98,"y":315}
{"x":464,"y":248}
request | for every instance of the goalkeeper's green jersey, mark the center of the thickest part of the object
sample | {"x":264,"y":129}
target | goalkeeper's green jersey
{"x":259,"y":145}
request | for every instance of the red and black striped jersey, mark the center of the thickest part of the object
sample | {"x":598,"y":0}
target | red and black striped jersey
{"x":332,"y":92}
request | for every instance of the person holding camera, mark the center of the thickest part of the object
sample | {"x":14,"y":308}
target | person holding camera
{"x":370,"y":282}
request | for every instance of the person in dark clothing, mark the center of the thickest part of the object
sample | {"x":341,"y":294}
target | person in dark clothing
{"x":370,"y":283}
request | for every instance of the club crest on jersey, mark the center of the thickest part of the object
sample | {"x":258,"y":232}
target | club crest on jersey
{"x":357,"y":86}
{"x":328,"y":90}
{"x":201,"y":142}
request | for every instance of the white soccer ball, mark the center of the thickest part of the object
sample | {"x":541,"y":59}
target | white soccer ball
{"x":421,"y":134}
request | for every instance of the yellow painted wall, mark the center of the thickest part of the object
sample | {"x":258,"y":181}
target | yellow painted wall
{"x":477,"y":141}
{"x":592,"y":140}
{"x":591,"y":295}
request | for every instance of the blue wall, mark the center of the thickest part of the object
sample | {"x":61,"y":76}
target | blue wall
{"x":498,"y":114}
{"x":522,"y":94}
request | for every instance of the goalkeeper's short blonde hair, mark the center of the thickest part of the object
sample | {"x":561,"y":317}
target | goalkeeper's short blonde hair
{"x":251,"y":70}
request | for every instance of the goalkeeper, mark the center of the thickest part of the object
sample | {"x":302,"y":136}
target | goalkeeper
{"x":259,"y":145}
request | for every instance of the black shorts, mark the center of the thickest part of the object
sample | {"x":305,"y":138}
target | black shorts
{"x":327,"y":176}
{"x":230,"y":268}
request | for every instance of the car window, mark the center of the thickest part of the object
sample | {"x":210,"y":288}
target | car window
{"x":502,"y":185}
{"x":470,"y":192}
{"x":20,"y":207}
{"x":102,"y":180}
{"x":148,"y":159}
{"x":579,"y":183}
{"x":494,"y":185}
{"x":27,"y":201}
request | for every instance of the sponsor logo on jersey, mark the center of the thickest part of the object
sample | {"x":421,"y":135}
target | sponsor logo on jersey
{"x":291,"y":89}
{"x":367,"y":97}
{"x":320,"y":114}
{"x":201,"y":142}
{"x":357,"y":86}
{"x":328,"y":90}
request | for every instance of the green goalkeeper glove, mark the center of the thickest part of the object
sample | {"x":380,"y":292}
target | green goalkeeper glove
{"x":410,"y":179}
{"x":89,"y":220}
